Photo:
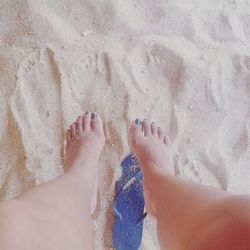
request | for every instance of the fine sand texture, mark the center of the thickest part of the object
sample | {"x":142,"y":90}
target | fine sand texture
{"x":184,"y":64}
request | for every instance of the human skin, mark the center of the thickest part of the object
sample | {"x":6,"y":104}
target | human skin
{"x":57,"y":214}
{"x":189,"y":216}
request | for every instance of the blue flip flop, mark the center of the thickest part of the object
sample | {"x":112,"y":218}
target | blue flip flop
{"x":129,"y":206}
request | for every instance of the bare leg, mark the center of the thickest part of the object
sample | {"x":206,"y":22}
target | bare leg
{"x":189,"y":216}
{"x":57,"y":215}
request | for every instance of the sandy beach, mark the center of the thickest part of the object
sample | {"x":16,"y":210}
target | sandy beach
{"x":181,"y":63}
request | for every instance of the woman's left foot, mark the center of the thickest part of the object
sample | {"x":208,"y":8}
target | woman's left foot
{"x":85,"y":141}
{"x":152,"y":149}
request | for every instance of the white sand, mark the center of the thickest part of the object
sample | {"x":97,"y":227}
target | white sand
{"x":184,"y":64}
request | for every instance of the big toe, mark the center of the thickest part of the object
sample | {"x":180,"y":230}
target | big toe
{"x":136,"y":130}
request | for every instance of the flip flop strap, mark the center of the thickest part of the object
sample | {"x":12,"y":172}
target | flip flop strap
{"x":122,"y":189}
{"x":138,"y":222}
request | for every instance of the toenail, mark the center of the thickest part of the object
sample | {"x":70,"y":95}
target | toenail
{"x":93,"y":115}
{"x":137,"y":121}
{"x":86,"y":113}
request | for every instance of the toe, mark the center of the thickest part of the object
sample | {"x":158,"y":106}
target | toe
{"x":96,"y":123}
{"x":136,"y":129}
{"x":160,"y":133}
{"x":86,"y":121}
{"x":79,"y":125}
{"x":154,"y":129}
{"x":146,"y":127}
{"x":68,"y":136}
{"x":73,"y":130}
{"x":165,"y":140}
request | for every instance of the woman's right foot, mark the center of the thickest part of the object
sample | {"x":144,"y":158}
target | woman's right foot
{"x":85,"y":141}
{"x":152,"y":149}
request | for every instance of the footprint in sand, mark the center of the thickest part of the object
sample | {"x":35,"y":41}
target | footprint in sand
{"x":86,"y":82}
{"x":90,"y":81}
{"x":236,"y":96}
{"x":230,"y":28}
{"x":156,"y":67}
{"x":158,"y":75}
{"x":239,"y":179}
{"x":246,"y":63}
{"x":200,"y":170}
{"x":241,"y":74}
{"x":166,"y":63}
{"x":36,"y":106}
{"x":187,"y":168}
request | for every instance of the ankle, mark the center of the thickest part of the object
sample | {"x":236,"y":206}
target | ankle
{"x":79,"y":165}
{"x":84,"y":178}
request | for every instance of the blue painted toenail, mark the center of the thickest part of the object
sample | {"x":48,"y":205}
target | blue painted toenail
{"x":137,"y":121}
{"x":93,"y":115}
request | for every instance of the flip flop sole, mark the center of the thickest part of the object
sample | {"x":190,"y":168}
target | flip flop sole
{"x":127,"y":234}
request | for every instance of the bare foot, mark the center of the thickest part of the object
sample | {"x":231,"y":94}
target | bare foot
{"x":85,"y":141}
{"x":152,"y":149}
